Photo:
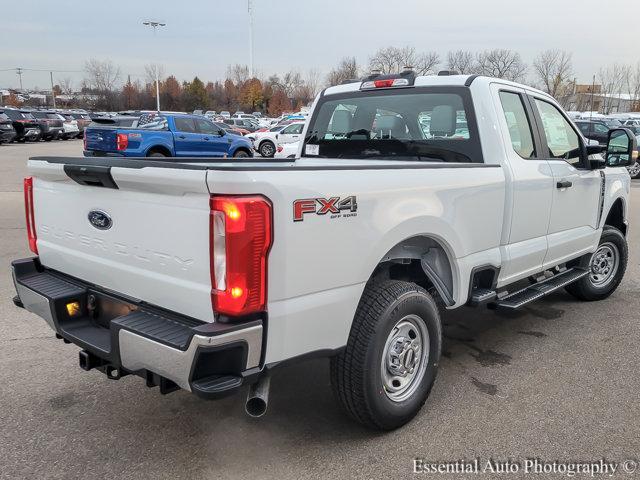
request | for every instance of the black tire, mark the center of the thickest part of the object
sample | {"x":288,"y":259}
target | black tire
{"x":587,"y":288}
{"x":267,"y":149}
{"x":156,"y":154}
{"x":357,"y":373}
{"x":240,"y":154}
{"x":48,"y":139}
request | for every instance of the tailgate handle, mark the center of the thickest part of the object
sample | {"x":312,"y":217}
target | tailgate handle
{"x":91,"y":175}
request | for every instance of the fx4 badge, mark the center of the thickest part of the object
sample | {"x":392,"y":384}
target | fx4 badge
{"x":323,"y":206}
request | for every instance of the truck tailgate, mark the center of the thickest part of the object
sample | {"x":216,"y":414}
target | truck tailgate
{"x":100,"y":139}
{"x":156,"y":248}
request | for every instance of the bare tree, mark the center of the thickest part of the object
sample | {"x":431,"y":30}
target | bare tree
{"x":291,"y":81}
{"x":312,"y":81}
{"x":394,"y":60}
{"x":461,"y":61}
{"x":150,"y":73}
{"x":554,"y":70}
{"x":633,"y":84}
{"x":500,"y":63}
{"x":612,"y":79}
{"x":347,"y":69}
{"x":101,"y":75}
{"x":238,"y":74}
{"x":66,"y":85}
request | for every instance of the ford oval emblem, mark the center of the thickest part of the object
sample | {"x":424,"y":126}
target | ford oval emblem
{"x":99,"y":219}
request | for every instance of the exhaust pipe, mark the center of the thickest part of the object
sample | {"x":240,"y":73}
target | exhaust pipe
{"x":258,"y":397}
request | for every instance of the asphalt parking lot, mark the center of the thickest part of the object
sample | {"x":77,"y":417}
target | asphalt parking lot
{"x":558,"y":381}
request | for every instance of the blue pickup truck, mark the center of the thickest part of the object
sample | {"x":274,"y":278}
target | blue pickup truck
{"x":165,"y":135}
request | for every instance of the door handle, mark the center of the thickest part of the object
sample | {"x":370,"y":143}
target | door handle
{"x":182,"y":137}
{"x":564,"y":184}
{"x":206,"y":138}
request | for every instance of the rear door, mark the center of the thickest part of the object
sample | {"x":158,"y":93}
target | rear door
{"x":213,"y":143}
{"x":156,"y":248}
{"x":187,"y":140}
{"x":576,"y":193}
{"x":529,"y":189}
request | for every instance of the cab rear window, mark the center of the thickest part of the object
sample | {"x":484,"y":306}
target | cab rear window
{"x":423,"y":123}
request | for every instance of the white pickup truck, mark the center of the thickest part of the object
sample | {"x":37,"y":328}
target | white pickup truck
{"x":410,"y":194}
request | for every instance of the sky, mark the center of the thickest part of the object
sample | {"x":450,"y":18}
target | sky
{"x":203,"y":37}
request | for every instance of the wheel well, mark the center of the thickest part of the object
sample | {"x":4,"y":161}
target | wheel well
{"x":615,"y":218}
{"x":242,"y":149}
{"x":421,"y":260}
{"x":159,"y":149}
{"x":266,"y":140}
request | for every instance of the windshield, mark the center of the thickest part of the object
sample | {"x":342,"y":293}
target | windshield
{"x":429,"y":123}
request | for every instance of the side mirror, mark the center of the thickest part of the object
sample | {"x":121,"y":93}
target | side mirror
{"x":221,"y":132}
{"x":622,"y":148}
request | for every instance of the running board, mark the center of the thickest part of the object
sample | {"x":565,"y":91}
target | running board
{"x":518,"y":299}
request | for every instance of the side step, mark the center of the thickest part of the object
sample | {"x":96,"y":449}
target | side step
{"x":536,"y":291}
{"x":216,"y":386}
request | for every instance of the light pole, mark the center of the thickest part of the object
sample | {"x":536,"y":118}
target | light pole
{"x":155,"y":25}
{"x":250,"y":9}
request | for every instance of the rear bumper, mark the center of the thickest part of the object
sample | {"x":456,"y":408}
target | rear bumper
{"x":129,"y":337}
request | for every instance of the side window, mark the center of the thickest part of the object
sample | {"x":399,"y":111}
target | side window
{"x":206,"y":127}
{"x":293,"y":129}
{"x":601,"y":128}
{"x":518,"y":123}
{"x":186,"y":125}
{"x":562,"y":140}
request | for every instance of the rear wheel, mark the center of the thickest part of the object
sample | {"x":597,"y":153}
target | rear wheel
{"x":240,"y":154}
{"x":385,"y":373}
{"x":267,"y":149}
{"x":606,"y":267}
{"x":157,"y":154}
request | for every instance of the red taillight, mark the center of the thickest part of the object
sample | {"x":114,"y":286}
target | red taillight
{"x":280,"y":148}
{"x":28,"y":210}
{"x":240,"y":239}
{"x":122,"y":141}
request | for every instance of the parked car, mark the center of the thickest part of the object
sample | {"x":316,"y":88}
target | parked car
{"x":70,"y":127}
{"x":50,"y":123}
{"x":231,"y":128}
{"x":166,"y":135}
{"x":83,"y":120}
{"x":25,"y":126}
{"x":7,"y":132}
{"x":594,"y":130}
{"x":225,"y":114}
{"x":265,"y":143}
{"x":207,"y":276}
{"x":634,"y":169}
{"x":244,"y":123}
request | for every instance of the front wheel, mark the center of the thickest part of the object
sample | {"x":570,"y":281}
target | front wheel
{"x":240,"y":154}
{"x":606,"y":267}
{"x":267,"y":149}
{"x":385,"y":374}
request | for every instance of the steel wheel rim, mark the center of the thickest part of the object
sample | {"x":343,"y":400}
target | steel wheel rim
{"x":405,"y":358}
{"x":634,"y":169}
{"x":267,"y":150}
{"x":604,"y":265}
